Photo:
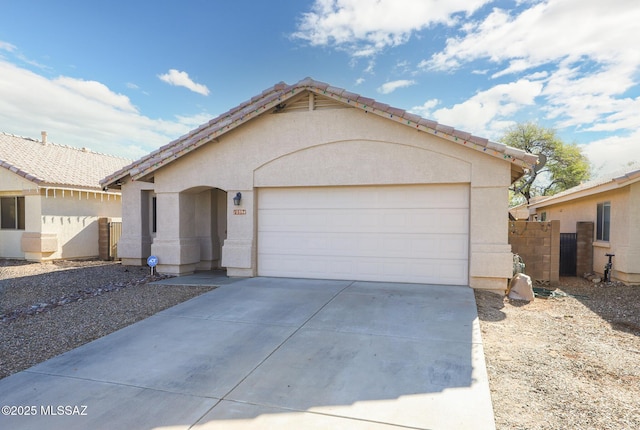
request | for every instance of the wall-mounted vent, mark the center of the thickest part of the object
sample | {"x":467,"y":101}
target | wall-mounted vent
{"x":309,"y":101}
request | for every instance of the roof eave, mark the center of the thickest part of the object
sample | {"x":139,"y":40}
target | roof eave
{"x":614,"y":184}
{"x":517,"y":172}
{"x":114,"y":182}
{"x":25,"y":175}
{"x":271,"y":98}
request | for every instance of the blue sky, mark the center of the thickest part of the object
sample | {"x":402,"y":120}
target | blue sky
{"x":125,"y":77}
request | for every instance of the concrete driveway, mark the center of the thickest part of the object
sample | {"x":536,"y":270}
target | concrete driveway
{"x":270,"y":353}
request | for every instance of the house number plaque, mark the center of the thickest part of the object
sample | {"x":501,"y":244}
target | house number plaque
{"x":239,"y":211}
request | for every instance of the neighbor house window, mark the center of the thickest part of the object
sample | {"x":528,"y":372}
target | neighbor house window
{"x":12,"y":213}
{"x":603,"y":221}
{"x":543,"y":216}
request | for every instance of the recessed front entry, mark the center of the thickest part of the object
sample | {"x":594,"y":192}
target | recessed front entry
{"x":412,"y":233}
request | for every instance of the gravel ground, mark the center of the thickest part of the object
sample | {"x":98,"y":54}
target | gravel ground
{"x":570,"y":362}
{"x":564,"y":363}
{"x":47,"y":309}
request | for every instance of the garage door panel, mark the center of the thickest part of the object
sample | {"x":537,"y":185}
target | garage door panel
{"x":398,"y":246}
{"x":441,"y":246}
{"x":395,"y":233}
{"x":365,"y":220}
{"x":452,"y":272}
{"x":440,"y":196}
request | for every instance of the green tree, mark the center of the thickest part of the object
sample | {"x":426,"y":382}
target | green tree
{"x":565,"y":165}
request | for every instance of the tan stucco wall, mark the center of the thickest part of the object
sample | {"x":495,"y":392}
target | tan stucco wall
{"x":135,"y":243}
{"x":624,"y":240}
{"x":10,"y":244}
{"x":323,"y":147}
{"x":68,"y":225}
{"x":57,"y":225}
{"x":12,"y":185}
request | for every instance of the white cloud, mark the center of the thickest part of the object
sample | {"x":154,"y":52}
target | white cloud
{"x":182,"y":79}
{"x":6,"y":46}
{"x":487,"y":112}
{"x":625,"y":116}
{"x":365,"y":27}
{"x":390,"y":87}
{"x":82,"y":114}
{"x":13,"y":49}
{"x":549,"y":31}
{"x":95,"y":91}
{"x":614,"y":153}
{"x":582,"y":55}
{"x":370,"y":66}
{"x":426,"y":108}
{"x":193,"y":121}
{"x":538,"y":75}
{"x":592,"y":99}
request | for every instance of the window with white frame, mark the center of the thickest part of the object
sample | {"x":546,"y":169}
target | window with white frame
{"x":12,"y":213}
{"x":603,"y":221}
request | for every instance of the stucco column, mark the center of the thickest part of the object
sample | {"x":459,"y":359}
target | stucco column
{"x":626,"y":263}
{"x":238,"y":251}
{"x":37,"y":242}
{"x":134,"y":245}
{"x":491,"y":260}
{"x":176,"y":244}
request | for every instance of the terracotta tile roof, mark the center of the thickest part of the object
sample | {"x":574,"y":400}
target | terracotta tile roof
{"x":56,"y":166}
{"x":613,"y":180}
{"x":282,"y":92}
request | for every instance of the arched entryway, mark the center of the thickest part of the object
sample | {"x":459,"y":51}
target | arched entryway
{"x":191,"y":228}
{"x":210,"y":224}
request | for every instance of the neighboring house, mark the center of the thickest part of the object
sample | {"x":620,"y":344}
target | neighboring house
{"x":309,"y":180}
{"x":519,"y":212}
{"x":51,"y":199}
{"x":612,"y":204}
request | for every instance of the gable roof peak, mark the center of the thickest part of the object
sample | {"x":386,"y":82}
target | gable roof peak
{"x":280,"y":86}
{"x":272,"y":98}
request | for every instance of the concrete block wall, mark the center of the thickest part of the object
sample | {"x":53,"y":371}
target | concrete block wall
{"x":538,"y":243}
{"x":584,"y":251}
{"x":108,"y":236}
{"x":103,"y":238}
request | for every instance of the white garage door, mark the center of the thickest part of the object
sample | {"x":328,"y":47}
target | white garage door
{"x":393,"y":233}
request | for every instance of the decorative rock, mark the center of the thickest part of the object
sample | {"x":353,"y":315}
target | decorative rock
{"x":75,"y":297}
{"x":521,"y":287}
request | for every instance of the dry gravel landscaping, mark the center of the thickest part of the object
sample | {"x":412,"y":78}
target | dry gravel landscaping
{"x":47,"y":309}
{"x":568,"y":362}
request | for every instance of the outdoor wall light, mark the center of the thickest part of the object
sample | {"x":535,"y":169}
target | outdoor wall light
{"x":237,"y":198}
